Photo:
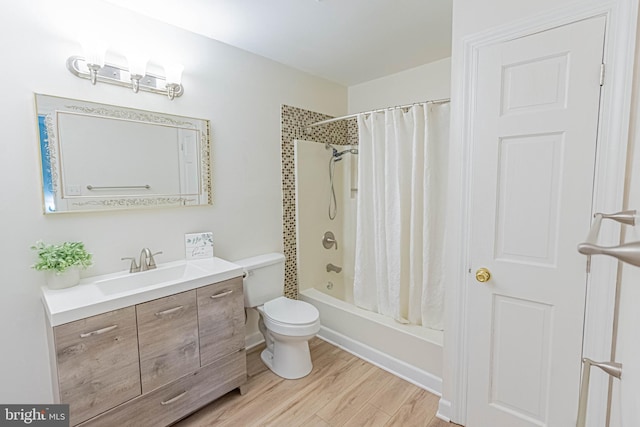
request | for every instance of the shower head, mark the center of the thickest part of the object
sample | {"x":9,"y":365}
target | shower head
{"x":338,"y":154}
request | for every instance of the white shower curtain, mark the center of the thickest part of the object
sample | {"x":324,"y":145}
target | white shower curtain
{"x":400,"y":213}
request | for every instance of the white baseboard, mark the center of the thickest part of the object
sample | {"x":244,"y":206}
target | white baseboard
{"x":253,"y":340}
{"x":420,"y":378}
{"x":444,"y":410}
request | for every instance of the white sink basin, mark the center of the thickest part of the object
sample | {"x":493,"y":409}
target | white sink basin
{"x":100,"y":294}
{"x":157,"y":277}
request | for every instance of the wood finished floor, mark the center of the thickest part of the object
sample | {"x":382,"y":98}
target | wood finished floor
{"x":342,"y":390}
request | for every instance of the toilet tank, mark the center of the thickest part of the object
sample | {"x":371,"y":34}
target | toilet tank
{"x":264,"y":279}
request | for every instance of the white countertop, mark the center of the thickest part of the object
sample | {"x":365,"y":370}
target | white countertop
{"x":100,"y":294}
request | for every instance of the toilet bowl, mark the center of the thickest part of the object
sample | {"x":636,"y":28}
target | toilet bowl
{"x":286,"y":324}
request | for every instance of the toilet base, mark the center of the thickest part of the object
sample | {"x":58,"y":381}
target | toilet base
{"x":290,"y":359}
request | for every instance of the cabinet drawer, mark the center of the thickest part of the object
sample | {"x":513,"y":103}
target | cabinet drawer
{"x":98,"y":365}
{"x":174,"y":401}
{"x":168,"y":337}
{"x":221,"y":319}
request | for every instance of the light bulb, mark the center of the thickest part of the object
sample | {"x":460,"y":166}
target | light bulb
{"x":94,"y":51}
{"x":173,"y":73}
{"x":137,"y":64}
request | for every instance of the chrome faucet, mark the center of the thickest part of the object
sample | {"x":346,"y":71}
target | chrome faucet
{"x":331,"y":267}
{"x":133,"y":268}
{"x":146,"y":259}
{"x":145,"y":254}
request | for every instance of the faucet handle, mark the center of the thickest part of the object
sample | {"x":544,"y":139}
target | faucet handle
{"x":152,"y":261}
{"x":133,"y":268}
{"x":328,"y":240}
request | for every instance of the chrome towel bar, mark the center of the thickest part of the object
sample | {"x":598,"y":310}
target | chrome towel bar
{"x":627,"y":252}
{"x":625,"y":217}
{"x":118,"y":187}
{"x":612,"y":368}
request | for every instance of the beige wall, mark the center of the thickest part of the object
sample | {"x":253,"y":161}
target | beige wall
{"x":423,"y":83}
{"x":240,"y":93}
{"x":473,"y":16}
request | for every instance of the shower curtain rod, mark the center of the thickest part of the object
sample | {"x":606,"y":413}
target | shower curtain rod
{"x":350,"y":116}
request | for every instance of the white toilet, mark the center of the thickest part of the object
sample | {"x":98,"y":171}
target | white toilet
{"x":287,"y":325}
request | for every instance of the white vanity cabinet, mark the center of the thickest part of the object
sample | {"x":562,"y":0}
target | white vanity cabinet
{"x":152,"y":363}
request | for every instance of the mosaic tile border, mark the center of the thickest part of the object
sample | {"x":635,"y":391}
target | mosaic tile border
{"x":293,"y":124}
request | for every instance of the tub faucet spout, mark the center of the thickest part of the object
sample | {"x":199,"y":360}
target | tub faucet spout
{"x":331,"y":267}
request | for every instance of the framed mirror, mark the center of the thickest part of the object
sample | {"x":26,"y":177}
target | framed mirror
{"x":101,"y":157}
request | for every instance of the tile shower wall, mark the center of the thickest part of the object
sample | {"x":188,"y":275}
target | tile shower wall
{"x":293,"y":123}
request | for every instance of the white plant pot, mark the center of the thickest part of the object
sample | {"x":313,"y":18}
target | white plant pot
{"x":69,"y":278}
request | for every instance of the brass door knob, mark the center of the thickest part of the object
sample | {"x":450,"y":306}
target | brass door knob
{"x":483,"y":275}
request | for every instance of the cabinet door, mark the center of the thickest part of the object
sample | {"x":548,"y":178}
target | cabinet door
{"x":221,"y":319}
{"x":168,"y":404}
{"x":97,"y":360}
{"x":168,"y":336}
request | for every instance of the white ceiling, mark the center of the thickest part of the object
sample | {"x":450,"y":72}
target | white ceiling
{"x":345,"y":41}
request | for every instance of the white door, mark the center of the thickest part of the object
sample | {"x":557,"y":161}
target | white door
{"x":533,"y":154}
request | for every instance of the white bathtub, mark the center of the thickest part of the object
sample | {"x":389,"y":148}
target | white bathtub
{"x":408,"y":351}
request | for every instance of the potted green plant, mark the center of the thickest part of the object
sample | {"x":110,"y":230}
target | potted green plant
{"x":61,"y":263}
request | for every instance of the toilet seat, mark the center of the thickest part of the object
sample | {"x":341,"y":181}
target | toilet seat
{"x":290,"y":317}
{"x":285,"y":310}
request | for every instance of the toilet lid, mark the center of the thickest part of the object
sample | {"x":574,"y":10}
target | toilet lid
{"x":285,"y":310}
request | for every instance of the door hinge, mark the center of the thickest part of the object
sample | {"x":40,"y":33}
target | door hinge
{"x":602,"y":74}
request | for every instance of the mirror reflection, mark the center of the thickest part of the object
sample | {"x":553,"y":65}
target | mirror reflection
{"x":97,"y":157}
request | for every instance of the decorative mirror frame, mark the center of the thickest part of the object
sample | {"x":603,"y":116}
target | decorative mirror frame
{"x":54,"y":201}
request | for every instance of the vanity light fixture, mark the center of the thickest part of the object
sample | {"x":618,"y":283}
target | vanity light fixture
{"x":94,"y":52}
{"x":174,"y":77}
{"x":137,"y":70}
{"x":94,"y":68}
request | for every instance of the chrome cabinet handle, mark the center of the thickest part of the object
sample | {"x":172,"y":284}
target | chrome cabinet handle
{"x":98,"y":332}
{"x":169,"y":311}
{"x":222,"y":294}
{"x":173,"y":399}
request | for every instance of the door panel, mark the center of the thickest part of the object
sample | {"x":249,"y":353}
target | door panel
{"x":529,"y":178}
{"x":535,"y":84}
{"x":520,"y":346}
{"x":534,"y":143}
